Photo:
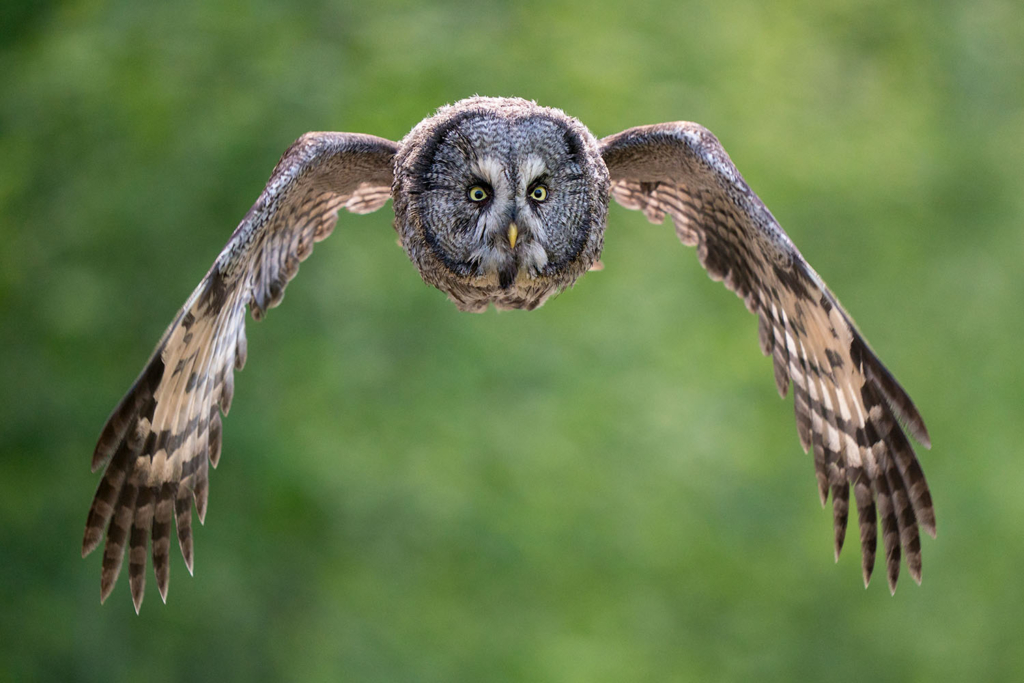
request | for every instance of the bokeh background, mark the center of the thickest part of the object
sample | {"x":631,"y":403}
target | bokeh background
{"x":606,"y":489}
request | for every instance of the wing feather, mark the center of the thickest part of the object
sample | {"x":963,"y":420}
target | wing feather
{"x":164,"y":434}
{"x":163,"y":511}
{"x":848,"y":407}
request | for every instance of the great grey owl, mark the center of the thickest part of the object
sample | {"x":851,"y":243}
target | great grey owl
{"x":501,"y":201}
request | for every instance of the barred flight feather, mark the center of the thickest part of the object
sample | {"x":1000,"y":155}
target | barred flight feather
{"x":847,"y":405}
{"x":164,"y":434}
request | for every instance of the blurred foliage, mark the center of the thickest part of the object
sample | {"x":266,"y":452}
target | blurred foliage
{"x":606,"y":489}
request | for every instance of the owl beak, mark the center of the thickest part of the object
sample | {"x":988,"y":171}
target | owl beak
{"x":513,"y":234}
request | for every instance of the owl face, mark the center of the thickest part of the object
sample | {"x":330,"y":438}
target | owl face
{"x":503,"y":202}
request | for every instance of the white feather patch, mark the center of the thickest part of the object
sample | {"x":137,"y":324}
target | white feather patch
{"x":531,"y":168}
{"x":491,"y":170}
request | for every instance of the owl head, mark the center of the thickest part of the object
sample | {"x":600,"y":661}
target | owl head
{"x":500,"y":201}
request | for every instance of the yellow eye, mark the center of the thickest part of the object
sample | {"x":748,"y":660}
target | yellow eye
{"x":539,"y":193}
{"x":477,"y":193}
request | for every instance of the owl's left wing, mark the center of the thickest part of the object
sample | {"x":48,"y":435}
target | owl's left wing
{"x":159,"y":441}
{"x":848,"y":406}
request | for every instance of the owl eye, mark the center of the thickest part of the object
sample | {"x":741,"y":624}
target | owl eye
{"x":477,"y":193}
{"x":539,"y":193}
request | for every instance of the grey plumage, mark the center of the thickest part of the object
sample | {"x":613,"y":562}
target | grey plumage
{"x":507,"y":146}
{"x":500,"y":201}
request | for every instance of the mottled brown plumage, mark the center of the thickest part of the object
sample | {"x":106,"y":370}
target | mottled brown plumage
{"x":499,"y":201}
{"x":846,"y":402}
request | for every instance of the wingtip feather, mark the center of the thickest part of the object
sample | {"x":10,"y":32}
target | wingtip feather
{"x":915,"y":425}
{"x":186,"y":551}
{"x":929,"y":526}
{"x":107,"y":581}
{"x":98,"y":460}
{"x":162,"y":582}
{"x":91,"y":540}
{"x":201,"y":499}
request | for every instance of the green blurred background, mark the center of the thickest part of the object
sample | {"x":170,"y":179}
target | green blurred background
{"x":606,"y":489}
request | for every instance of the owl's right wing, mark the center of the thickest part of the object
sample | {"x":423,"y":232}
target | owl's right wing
{"x":848,"y":406}
{"x":166,"y":431}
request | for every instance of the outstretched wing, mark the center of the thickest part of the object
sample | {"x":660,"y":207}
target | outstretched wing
{"x":848,"y":406}
{"x":166,"y":431}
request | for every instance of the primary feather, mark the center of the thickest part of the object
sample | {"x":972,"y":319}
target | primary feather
{"x":161,"y":439}
{"x":846,"y":402}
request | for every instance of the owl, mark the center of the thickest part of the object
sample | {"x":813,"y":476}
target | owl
{"x":499,"y":201}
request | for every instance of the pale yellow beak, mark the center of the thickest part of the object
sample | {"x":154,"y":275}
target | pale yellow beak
{"x":513,"y":233}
